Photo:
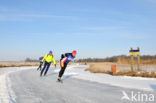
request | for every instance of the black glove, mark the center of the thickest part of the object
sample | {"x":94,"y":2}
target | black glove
{"x":41,"y":63}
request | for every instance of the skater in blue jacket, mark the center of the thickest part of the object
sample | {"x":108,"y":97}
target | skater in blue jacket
{"x":65,"y":59}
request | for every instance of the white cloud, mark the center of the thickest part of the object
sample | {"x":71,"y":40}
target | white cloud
{"x":43,"y":16}
{"x":11,"y":14}
{"x":103,"y":28}
{"x":135,"y":36}
{"x":31,"y":17}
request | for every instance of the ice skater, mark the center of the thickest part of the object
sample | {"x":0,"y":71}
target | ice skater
{"x":65,"y":59}
{"x":41,"y":63}
{"x":48,"y":59}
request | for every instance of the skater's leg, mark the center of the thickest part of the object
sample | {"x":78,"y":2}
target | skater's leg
{"x":45,"y":65}
{"x":39,"y":67}
{"x":62,"y":70}
{"x":47,"y":68}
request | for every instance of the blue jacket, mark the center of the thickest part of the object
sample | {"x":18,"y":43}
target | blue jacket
{"x":68,"y":57}
{"x":40,"y":59}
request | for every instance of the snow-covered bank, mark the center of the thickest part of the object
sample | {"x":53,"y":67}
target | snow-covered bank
{"x":6,"y":93}
{"x":122,"y":81}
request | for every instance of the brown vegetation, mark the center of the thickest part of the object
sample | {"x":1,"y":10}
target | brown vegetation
{"x":136,"y":74}
{"x":122,"y":69}
{"x":99,"y":67}
{"x":18,"y":64}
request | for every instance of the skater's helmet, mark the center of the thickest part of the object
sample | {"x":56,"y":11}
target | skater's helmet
{"x":50,"y":52}
{"x":74,"y":53}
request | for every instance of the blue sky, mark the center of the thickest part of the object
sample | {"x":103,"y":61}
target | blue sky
{"x":95,"y":28}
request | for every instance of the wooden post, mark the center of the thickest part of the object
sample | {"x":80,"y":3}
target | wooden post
{"x":132,"y":54}
{"x":132,"y":62}
{"x":138,"y":56}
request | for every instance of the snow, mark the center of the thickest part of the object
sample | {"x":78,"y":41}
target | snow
{"x":148,"y":84}
{"x":7,"y":94}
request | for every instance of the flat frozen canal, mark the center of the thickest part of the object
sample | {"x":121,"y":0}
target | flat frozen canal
{"x":28,"y":87}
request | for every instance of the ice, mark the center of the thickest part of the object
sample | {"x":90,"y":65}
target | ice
{"x":121,"y":81}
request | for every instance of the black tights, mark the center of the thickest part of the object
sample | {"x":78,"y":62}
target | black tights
{"x":62,"y":70}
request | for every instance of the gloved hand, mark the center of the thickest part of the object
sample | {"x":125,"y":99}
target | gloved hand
{"x":55,"y":65}
{"x":41,"y":63}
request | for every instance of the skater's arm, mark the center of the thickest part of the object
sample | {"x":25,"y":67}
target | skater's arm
{"x":54,"y":60}
{"x":44,"y":58}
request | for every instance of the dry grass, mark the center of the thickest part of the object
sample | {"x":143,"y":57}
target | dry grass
{"x":121,"y":70}
{"x":18,"y":64}
{"x":136,"y":74}
{"x":99,"y":67}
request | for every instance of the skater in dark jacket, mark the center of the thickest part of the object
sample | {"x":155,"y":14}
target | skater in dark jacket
{"x":41,"y":63}
{"x":65,"y":59}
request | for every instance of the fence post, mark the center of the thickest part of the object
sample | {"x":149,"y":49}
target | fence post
{"x":132,"y":61}
{"x":139,"y":61}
